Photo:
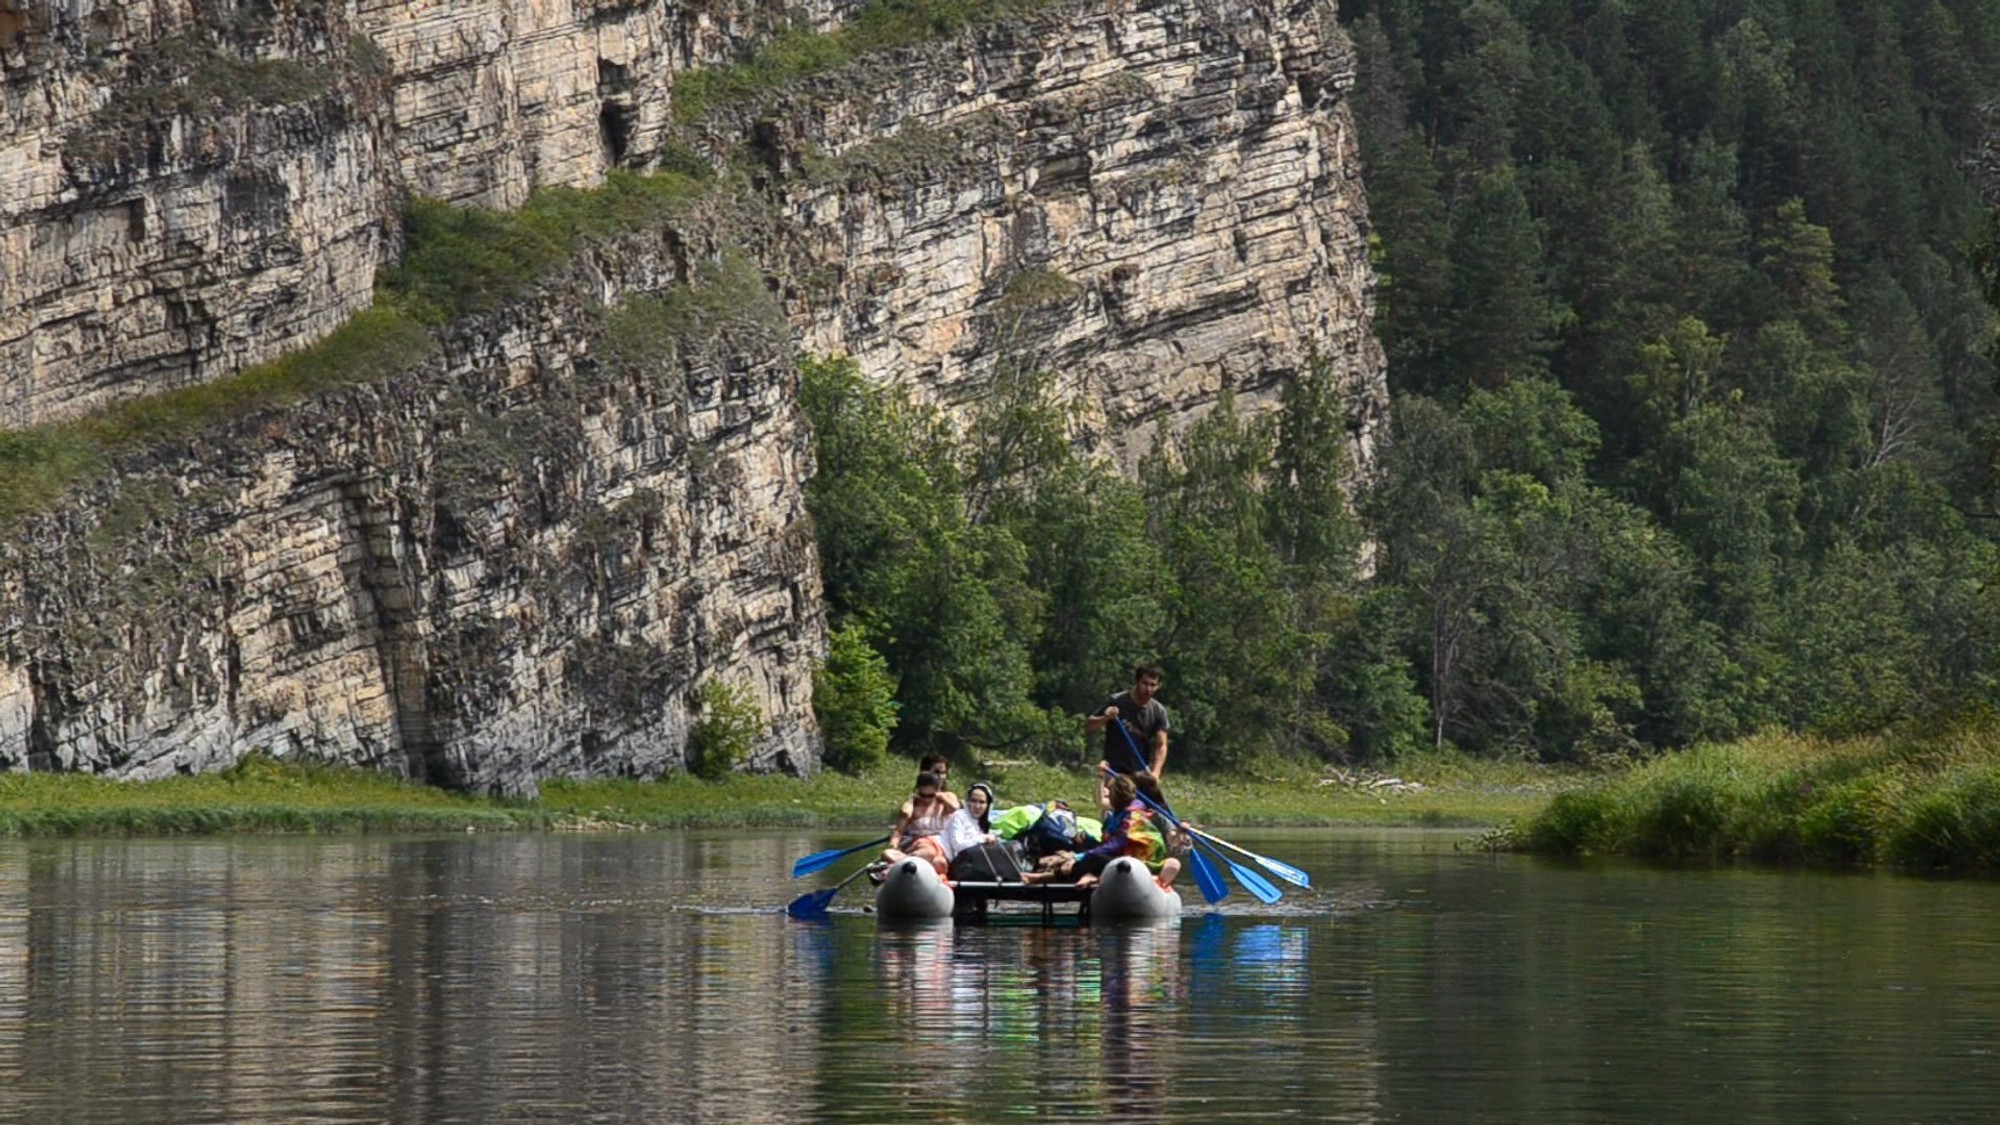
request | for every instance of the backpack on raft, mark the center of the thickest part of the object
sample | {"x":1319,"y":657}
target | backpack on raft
{"x":1054,"y":831}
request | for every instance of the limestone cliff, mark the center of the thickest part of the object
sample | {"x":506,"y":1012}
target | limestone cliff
{"x":1161,"y":201}
{"x":515,"y":555}
{"x":510,"y":561}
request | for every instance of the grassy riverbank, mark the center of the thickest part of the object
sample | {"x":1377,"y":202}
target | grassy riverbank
{"x":261,"y":795}
{"x":1927,"y":800}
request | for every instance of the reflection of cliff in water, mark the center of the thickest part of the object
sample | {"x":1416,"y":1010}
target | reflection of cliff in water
{"x":419,"y":980}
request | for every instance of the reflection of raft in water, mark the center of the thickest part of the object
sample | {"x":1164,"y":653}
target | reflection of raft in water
{"x":912,"y":890}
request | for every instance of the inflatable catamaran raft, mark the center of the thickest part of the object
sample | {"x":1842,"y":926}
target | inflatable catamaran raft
{"x":912,"y":890}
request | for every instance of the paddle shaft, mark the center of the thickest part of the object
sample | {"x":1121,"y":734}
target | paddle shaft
{"x":815,"y":902}
{"x":1256,"y":884}
{"x":820,"y":861}
{"x":1212,"y":887}
{"x":1293,"y":875}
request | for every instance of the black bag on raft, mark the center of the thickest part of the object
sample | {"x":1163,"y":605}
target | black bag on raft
{"x":987,"y":863}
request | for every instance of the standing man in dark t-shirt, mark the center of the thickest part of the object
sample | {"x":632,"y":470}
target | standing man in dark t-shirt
{"x":1145,"y":719}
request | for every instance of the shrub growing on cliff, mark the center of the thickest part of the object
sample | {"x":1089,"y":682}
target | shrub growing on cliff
{"x":855,"y":698}
{"x":727,"y":724}
{"x":458,"y":260}
{"x":801,"y":53}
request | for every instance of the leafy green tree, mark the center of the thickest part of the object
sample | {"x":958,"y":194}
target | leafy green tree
{"x":854,"y":697}
{"x":727,"y":724}
{"x":1910,"y":422}
{"x":1232,"y":647}
{"x":1797,"y":255}
{"x":1482,"y":83}
{"x":1105,"y":582}
{"x":1712,"y":281}
{"x":1366,"y":693}
{"x":1413,"y":268}
{"x":947,"y":601}
{"x":1736,"y":235}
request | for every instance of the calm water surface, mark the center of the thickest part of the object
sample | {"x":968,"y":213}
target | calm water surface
{"x":652,"y":978}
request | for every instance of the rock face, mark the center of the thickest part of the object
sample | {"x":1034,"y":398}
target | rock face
{"x":188,"y":187}
{"x":518,"y":557}
{"x":1160,"y":201}
{"x":512,"y":561}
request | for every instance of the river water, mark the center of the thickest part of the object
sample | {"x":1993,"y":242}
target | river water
{"x":653,"y":978}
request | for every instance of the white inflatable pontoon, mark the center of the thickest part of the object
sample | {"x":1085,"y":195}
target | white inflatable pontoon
{"x":1127,"y":889}
{"x":912,"y":890}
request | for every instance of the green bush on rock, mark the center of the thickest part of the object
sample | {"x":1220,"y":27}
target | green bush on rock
{"x":726,"y":727}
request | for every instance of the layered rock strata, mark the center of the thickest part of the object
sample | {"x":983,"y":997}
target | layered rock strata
{"x":517,"y":558}
{"x":1160,"y":201}
{"x":188,"y":187}
{"x":511,"y":561}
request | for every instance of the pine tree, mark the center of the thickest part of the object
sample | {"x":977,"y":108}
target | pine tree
{"x":1502,"y":316}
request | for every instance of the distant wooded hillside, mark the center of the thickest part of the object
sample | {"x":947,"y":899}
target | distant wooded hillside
{"x":1685,"y":308}
{"x":1686,"y":304}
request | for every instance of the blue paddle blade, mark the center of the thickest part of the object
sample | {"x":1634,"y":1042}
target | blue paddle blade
{"x":811,"y":905}
{"x":1293,"y":875}
{"x":820,"y":861}
{"x":1285,"y":871}
{"x":1208,"y":878}
{"x":1253,"y":882}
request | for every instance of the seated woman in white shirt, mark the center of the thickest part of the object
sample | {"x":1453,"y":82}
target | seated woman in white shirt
{"x":976,"y":853}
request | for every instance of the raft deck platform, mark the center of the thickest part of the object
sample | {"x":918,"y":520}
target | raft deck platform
{"x":970,"y":900}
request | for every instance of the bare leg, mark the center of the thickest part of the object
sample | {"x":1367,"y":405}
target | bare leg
{"x":928,"y":850}
{"x":1168,"y":870}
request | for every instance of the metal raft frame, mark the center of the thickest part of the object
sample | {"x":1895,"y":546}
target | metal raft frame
{"x":970,"y":900}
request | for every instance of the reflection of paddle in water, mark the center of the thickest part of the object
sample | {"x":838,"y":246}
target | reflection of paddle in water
{"x":1272,"y":957}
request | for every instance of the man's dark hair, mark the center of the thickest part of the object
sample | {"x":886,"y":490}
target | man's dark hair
{"x":932,"y":761}
{"x":1146,"y":783}
{"x":1148,"y":670}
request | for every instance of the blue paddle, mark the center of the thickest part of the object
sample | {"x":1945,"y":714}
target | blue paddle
{"x":1253,"y":881}
{"x":814,"y":904}
{"x":1205,"y":875}
{"x":1293,"y":875}
{"x":1265,"y":891}
{"x":820,"y":861}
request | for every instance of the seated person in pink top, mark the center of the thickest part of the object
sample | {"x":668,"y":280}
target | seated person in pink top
{"x":920,"y":824}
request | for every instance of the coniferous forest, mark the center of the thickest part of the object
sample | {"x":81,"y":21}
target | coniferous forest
{"x":1688,"y":309}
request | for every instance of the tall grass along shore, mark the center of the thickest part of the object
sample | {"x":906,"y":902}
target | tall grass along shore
{"x":1915,"y":799}
{"x":262,"y":795}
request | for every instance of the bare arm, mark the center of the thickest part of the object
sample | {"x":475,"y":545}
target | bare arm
{"x":1159,"y":762}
